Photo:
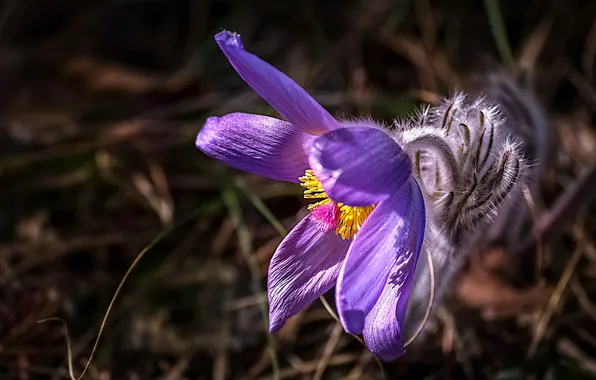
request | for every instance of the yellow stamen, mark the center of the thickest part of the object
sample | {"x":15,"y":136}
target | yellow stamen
{"x":350,"y":218}
{"x":313,"y":189}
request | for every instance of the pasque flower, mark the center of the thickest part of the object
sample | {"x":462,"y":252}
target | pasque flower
{"x":366,"y":226}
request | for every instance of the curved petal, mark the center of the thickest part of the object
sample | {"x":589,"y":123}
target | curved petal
{"x":391,"y":236}
{"x":279,"y":90}
{"x":257,"y":144}
{"x":382,"y":331}
{"x":304,"y":267}
{"x":359,"y":166}
{"x":384,"y":324}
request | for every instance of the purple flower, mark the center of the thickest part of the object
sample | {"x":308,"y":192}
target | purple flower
{"x":365,"y":230}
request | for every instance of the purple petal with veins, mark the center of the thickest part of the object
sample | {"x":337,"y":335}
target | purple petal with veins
{"x":391,"y":235}
{"x":359,"y":166}
{"x":257,"y":144}
{"x":304,"y":267}
{"x":279,"y":90}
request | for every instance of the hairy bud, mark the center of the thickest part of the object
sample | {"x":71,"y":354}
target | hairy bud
{"x":526,"y":121}
{"x":472,"y":171}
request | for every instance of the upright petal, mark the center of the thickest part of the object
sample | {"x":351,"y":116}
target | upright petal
{"x":257,"y":144}
{"x":359,"y":166}
{"x":391,"y":236}
{"x":304,"y":267}
{"x":279,"y":90}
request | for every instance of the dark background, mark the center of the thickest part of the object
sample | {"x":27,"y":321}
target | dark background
{"x":100,"y":103}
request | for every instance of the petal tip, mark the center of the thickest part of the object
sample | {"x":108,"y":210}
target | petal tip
{"x":229,"y":39}
{"x":275,"y":326}
{"x":394,"y":354}
{"x":277,"y":319}
{"x":205,"y":135}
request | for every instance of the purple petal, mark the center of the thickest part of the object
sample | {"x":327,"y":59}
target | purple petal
{"x":382,"y":330}
{"x":359,"y":166}
{"x":304,"y":267}
{"x":257,"y":144}
{"x":383,"y":326}
{"x":279,"y":90}
{"x":391,"y":236}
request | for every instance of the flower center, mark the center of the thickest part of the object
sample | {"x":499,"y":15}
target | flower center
{"x":329,"y":215}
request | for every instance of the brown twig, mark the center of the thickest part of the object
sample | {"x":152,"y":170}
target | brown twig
{"x":565,"y":208}
{"x":328,"y":351}
{"x":557,"y":294}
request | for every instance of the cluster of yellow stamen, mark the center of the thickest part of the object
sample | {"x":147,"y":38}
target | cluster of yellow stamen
{"x":350,"y":218}
{"x":313,"y":189}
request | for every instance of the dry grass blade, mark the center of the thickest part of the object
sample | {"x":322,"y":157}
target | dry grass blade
{"x":583,"y":298}
{"x":230,"y":199}
{"x":499,"y":33}
{"x":261,"y":207}
{"x":107,"y":314}
{"x":328,"y":351}
{"x":136,"y":261}
{"x":551,"y":223}
{"x":557,"y":295}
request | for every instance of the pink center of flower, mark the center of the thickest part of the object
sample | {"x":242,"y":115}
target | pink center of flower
{"x":326,"y":216}
{"x":329,"y":215}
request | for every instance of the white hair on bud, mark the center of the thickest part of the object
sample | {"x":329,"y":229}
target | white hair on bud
{"x":471,"y":170}
{"x":363,"y":121}
{"x":458,"y":148}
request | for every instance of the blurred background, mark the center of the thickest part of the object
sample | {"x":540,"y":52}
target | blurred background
{"x":100,"y":103}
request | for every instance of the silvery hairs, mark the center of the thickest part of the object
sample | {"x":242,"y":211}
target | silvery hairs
{"x":526,"y":120}
{"x":473,"y":165}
